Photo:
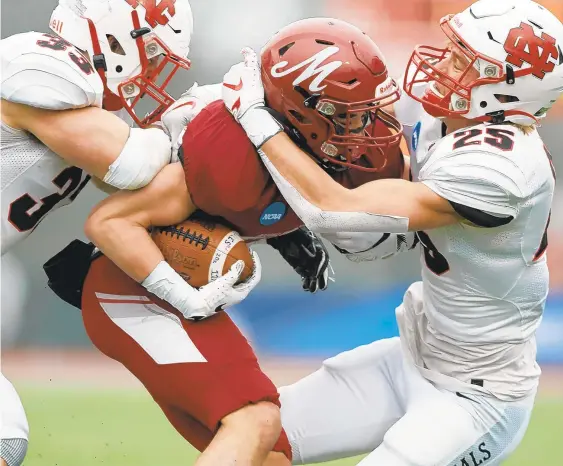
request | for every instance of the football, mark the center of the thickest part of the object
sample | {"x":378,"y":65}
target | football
{"x":201,"y":250}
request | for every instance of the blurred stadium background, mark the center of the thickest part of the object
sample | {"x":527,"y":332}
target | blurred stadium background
{"x":85,"y":409}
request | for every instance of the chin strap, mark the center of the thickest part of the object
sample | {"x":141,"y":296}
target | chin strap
{"x":137,"y":33}
{"x":496,"y":118}
{"x":111,"y":102}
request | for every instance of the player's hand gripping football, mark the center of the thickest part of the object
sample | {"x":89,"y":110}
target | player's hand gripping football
{"x":223,"y":293}
{"x":243,"y":94}
{"x":308,"y":256}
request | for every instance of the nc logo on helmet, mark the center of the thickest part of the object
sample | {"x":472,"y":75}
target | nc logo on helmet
{"x":155,"y":13}
{"x":273,"y":214}
{"x":523,"y":46}
{"x":314,"y":69}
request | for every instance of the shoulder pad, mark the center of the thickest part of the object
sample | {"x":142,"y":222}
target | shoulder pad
{"x":44,"y":71}
{"x":219,"y":159}
{"x":474,"y":175}
{"x":483,"y":150}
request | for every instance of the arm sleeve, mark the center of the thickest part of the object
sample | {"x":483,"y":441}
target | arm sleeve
{"x":407,"y":110}
{"x":321,"y":221}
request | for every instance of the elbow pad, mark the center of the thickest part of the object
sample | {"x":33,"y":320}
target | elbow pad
{"x":146,"y":152}
{"x":321,"y":221}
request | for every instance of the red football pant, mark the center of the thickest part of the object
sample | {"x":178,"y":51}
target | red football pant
{"x":197,"y":372}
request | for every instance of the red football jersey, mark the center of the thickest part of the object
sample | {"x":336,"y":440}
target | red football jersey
{"x":226,"y":177}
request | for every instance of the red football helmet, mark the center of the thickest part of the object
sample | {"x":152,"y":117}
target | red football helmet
{"x":329,"y":81}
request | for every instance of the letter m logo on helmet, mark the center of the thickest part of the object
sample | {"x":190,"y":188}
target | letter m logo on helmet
{"x":523,"y":46}
{"x":155,"y":10}
{"x":314,"y":68}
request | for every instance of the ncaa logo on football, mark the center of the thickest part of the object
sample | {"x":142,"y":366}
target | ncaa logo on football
{"x":416,"y":136}
{"x":273,"y":214}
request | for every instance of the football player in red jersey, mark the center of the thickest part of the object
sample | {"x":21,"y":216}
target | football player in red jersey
{"x":328,"y":83}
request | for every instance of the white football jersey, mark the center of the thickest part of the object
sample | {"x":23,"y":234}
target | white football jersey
{"x":484,"y":281}
{"x":44,"y":71}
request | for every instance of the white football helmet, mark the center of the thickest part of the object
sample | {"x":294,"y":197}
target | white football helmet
{"x":130,"y":42}
{"x":517,"y":48}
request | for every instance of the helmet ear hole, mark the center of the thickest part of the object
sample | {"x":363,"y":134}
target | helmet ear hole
{"x":299,"y":117}
{"x":114,"y":45}
{"x":504,"y":99}
{"x":285,"y":48}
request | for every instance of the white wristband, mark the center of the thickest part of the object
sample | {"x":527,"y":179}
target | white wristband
{"x":168,"y":285}
{"x":259,"y":125}
{"x":146,"y":152}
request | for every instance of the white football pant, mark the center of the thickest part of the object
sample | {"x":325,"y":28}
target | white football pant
{"x":373,"y":400}
{"x":14,"y":430}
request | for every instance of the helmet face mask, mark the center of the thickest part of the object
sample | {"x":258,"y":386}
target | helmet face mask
{"x":133,"y":44}
{"x":456,"y":96}
{"x":352,"y":132}
{"x":157,"y":64}
{"x":516,"y":63}
{"x":329,"y":82}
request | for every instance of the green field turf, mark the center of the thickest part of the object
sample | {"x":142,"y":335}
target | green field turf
{"x":79,"y":427}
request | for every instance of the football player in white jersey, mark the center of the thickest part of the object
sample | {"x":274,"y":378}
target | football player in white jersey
{"x":58,"y":94}
{"x":458,"y":386}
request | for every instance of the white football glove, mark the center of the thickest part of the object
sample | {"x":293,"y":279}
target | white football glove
{"x":197,"y":304}
{"x":243,"y":94}
{"x":179,"y":115}
{"x":222,"y":293}
{"x":370,"y":246}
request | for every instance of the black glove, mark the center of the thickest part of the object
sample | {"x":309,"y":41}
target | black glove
{"x":307,"y":254}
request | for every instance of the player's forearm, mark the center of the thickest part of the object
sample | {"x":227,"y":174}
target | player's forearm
{"x":98,"y":142}
{"x":90,"y":138}
{"x":299,"y":169}
{"x":123,"y":237}
{"x":118,"y":225}
{"x":131,"y":248}
{"x":121,"y":241}
{"x":321,"y":203}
